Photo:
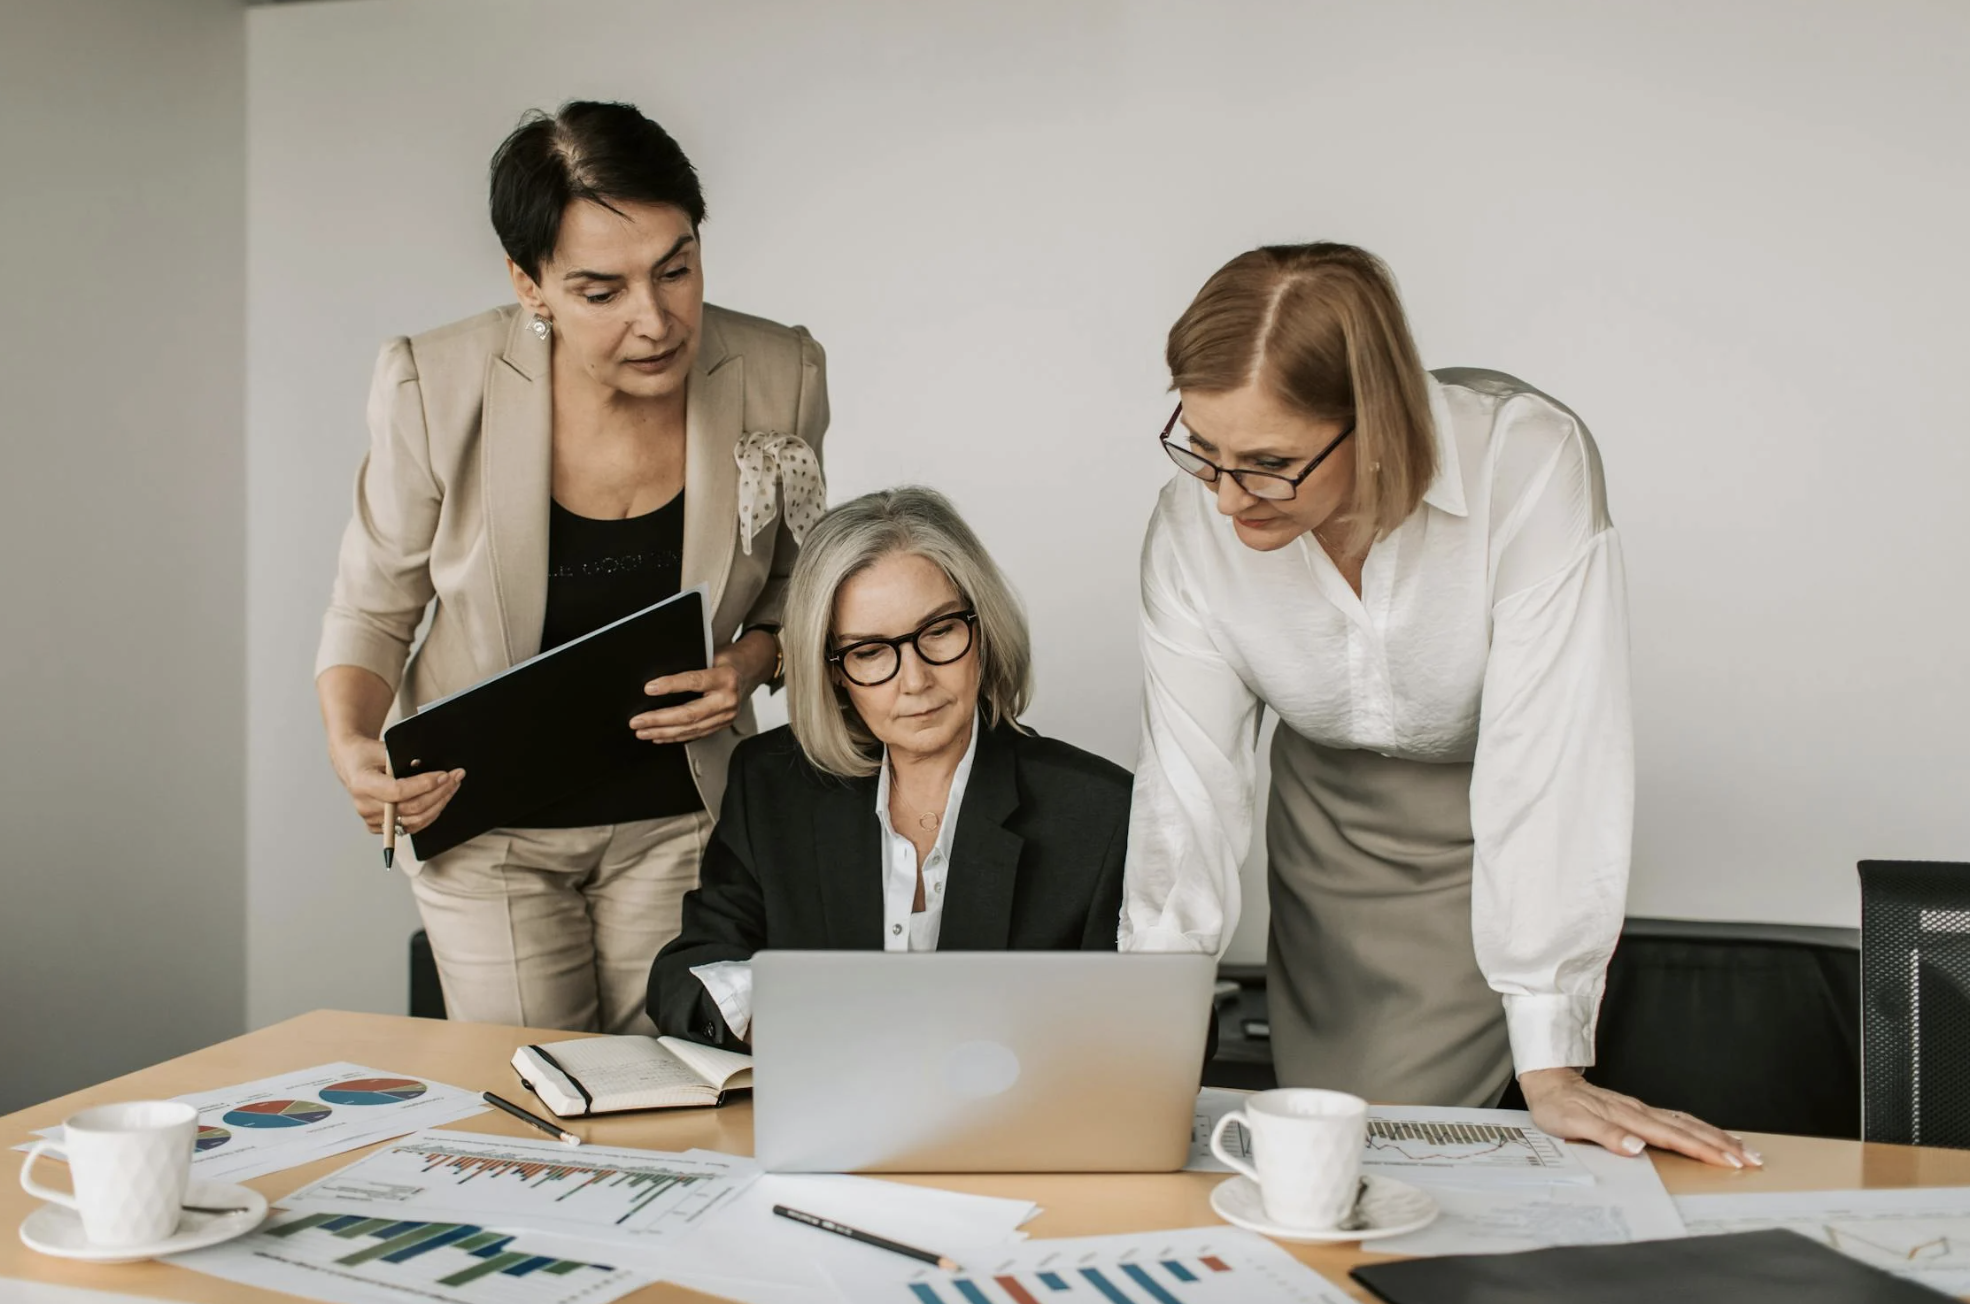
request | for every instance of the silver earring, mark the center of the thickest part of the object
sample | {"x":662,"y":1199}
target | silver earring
{"x":542,"y":327}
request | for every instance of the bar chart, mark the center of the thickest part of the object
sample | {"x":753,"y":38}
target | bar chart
{"x":1198,"y":1266}
{"x":597,"y":1191}
{"x":1164,"y":1281}
{"x":415,"y":1260}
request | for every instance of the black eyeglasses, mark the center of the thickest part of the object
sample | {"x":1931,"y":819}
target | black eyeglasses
{"x":939,"y":641}
{"x":1260,"y":484}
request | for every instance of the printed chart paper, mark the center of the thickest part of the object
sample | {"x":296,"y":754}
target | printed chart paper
{"x":1626,"y":1202}
{"x":296,"y":1118}
{"x":1921,"y":1234}
{"x":1418,"y":1143}
{"x":608,"y":1193}
{"x":347,"y":1258}
{"x":1203,"y":1265}
{"x":1479,"y":1147}
{"x":745,"y":1246}
{"x":1213,"y":1103}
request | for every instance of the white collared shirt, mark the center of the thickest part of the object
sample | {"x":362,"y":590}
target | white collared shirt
{"x":1491,"y":627}
{"x":904,"y":928}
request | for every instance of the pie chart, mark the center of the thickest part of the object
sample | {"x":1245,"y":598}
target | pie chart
{"x":277,"y":1113}
{"x":210,"y":1137}
{"x":373,"y":1091}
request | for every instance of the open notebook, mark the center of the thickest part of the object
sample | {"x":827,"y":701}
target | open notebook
{"x":605,"y":1075}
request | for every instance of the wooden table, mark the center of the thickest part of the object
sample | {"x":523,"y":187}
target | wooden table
{"x":474,"y":1056}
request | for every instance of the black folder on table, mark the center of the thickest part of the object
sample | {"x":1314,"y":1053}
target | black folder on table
{"x":1737,"y":1268}
{"x":551,"y":725}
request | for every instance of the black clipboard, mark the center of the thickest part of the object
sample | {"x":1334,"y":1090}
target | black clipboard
{"x":547,"y":727}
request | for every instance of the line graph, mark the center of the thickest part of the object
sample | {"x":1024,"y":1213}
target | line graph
{"x":1875,"y":1240}
{"x":1420,"y":1143}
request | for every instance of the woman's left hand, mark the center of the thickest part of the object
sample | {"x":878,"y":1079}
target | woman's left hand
{"x":1565,"y":1104}
{"x":735,"y":672}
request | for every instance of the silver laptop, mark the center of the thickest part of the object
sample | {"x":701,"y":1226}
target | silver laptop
{"x":973,"y":1061}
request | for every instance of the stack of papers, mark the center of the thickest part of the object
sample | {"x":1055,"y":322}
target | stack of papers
{"x":491,"y":1220}
{"x":749,"y":1254}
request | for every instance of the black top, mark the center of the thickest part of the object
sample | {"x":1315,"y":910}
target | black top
{"x":795,"y":862}
{"x":598,"y":572}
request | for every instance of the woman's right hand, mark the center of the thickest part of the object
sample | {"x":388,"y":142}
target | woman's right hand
{"x":363,"y":765}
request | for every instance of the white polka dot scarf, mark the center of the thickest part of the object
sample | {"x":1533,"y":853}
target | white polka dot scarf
{"x":769,"y":461}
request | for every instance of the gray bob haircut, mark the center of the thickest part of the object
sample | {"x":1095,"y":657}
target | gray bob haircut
{"x":844,"y":543}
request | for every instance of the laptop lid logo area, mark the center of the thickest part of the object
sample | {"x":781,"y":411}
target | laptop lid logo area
{"x":976,"y":1061}
{"x":978,"y":1069}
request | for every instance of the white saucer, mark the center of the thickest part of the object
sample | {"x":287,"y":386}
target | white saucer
{"x":1391,"y":1208}
{"x":57,"y":1229}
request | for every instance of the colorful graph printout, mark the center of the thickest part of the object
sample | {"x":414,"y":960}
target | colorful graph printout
{"x":277,"y":1113}
{"x":348,"y":1257}
{"x":260,"y":1127}
{"x":607,"y":1192}
{"x":373,"y":1091}
{"x":1210,"y":1265}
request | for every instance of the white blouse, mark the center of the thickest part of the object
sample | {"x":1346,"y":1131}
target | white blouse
{"x":904,"y":928}
{"x":1492,"y":627}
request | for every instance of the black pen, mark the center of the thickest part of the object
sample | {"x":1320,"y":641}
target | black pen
{"x":867,"y":1238}
{"x":527,"y":1116}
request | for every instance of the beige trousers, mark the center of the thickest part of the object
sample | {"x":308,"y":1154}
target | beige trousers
{"x":557,"y":928}
{"x":1372,"y":982}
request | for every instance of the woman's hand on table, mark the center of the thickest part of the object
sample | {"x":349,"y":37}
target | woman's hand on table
{"x":737,"y":670}
{"x":1565,"y":1104}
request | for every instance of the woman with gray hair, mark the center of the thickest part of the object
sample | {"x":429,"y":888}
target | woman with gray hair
{"x":905,"y":808}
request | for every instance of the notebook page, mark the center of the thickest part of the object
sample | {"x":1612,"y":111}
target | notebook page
{"x":718,"y":1067}
{"x":621,"y":1066}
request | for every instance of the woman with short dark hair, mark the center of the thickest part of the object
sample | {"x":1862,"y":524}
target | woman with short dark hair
{"x":539,"y":471}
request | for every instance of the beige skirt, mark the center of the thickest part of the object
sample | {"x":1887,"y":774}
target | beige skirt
{"x":1372,"y":983}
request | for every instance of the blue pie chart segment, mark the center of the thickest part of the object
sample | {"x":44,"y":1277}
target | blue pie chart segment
{"x":277,"y":1113}
{"x":374,"y":1091}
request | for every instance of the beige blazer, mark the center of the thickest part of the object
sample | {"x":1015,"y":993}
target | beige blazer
{"x":452,"y":503}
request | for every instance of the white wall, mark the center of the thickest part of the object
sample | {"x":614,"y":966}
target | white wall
{"x":1730,"y":235}
{"x":122,"y":536}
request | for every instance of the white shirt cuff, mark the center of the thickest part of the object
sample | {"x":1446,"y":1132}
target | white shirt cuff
{"x":730,"y":985}
{"x":1162,"y":937}
{"x":1551,"y":1030}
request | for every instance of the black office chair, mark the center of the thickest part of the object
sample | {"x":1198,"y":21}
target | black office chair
{"x":427,"y":997}
{"x":1243,"y":1056}
{"x":1915,"y":977}
{"x":1752,"y":1027}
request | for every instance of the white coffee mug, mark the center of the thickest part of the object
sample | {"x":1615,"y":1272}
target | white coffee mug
{"x":1306,"y":1153}
{"x":129,"y":1165}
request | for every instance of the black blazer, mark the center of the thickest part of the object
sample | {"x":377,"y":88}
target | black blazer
{"x":795,"y":863}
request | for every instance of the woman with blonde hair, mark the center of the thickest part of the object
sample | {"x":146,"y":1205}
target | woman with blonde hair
{"x":1417,"y":574}
{"x":904,"y":808}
